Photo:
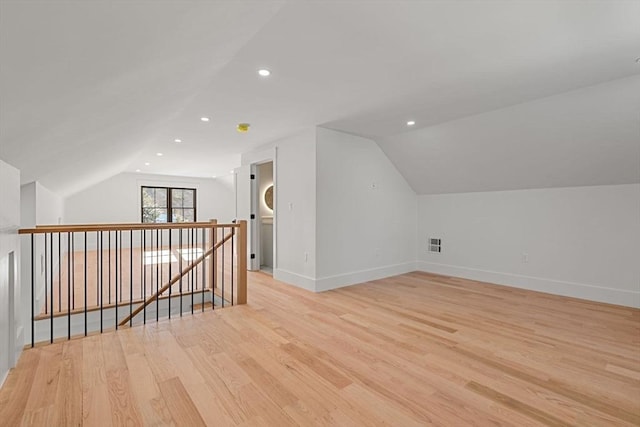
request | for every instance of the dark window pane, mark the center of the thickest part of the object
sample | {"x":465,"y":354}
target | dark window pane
{"x":176,"y":215}
{"x":189,"y":215}
{"x":147,"y":197}
{"x":154,"y":197}
{"x":176,"y":198}
{"x":161,"y":215}
{"x":188,"y":199}
{"x":161,"y":198}
{"x":154,"y":215}
{"x":148,"y":215}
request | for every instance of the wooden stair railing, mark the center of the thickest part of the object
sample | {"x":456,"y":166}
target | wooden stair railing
{"x":78,"y":269}
{"x":176,"y":278}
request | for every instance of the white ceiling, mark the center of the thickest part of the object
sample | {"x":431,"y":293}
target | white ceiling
{"x":90,"y":89}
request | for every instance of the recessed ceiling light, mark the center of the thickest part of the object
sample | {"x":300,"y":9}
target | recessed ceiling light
{"x":177,"y":140}
{"x":159,"y":154}
{"x":243,"y":127}
{"x":204,"y":119}
{"x":147,"y":163}
{"x":231,"y":171}
{"x":213,"y":176}
{"x":411,"y":123}
{"x":137,"y":170}
{"x":264,"y":72}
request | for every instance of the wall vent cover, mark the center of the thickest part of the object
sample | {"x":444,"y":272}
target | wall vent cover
{"x":435,"y":245}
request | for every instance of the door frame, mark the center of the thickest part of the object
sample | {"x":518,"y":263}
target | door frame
{"x":270,"y":155}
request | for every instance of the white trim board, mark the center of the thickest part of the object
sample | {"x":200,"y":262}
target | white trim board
{"x":539,"y":284}
{"x":338,"y":281}
{"x":294,"y":279}
{"x":341,"y":280}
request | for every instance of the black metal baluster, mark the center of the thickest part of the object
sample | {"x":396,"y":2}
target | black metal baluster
{"x":191,"y":252}
{"x":121,"y":260}
{"x":194,"y":271}
{"x":97,"y":268}
{"x":180,"y":255}
{"x":116,"y":233}
{"x":233,"y":263}
{"x":46,"y":275}
{"x":73,"y":271}
{"x":109,"y":271}
{"x":69,"y":285}
{"x":157,"y":277}
{"x":130,"y":276}
{"x":85,"y":283}
{"x":33,"y":290}
{"x":223,"y":266}
{"x":204,"y":267}
{"x":170,"y":275}
{"x":143,"y":265}
{"x":51,"y":282}
{"x":101,"y":279}
{"x":194,"y":277}
{"x":59,"y":274}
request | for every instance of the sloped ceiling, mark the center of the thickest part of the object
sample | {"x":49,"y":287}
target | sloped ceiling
{"x":90,"y":89}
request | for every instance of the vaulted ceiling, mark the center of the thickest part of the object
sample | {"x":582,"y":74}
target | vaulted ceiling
{"x":504,"y":94}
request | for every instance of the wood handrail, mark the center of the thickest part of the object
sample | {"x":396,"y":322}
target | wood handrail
{"x":42,"y":229}
{"x":177,"y":277}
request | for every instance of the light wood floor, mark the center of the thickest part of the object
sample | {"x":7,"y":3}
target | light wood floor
{"x":411,"y":350}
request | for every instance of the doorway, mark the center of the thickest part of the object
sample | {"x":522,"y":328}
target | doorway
{"x":266,"y":205}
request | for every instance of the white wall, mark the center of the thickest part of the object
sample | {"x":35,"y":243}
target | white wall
{"x":295,"y":200}
{"x":10,"y":328}
{"x":366,"y":213}
{"x":332,"y":228}
{"x":580,"y":241}
{"x":117,"y":199}
{"x":38,"y":206}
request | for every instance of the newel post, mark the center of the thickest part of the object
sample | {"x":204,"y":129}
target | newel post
{"x":242,"y":263}
{"x":213,"y":239}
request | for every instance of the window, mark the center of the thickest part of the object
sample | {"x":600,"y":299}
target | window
{"x":165,"y":204}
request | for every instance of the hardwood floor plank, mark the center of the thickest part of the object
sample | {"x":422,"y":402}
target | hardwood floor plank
{"x":68,"y":397}
{"x":96,"y":408}
{"x":14,"y":394}
{"x":505,"y":400}
{"x":180,"y":404}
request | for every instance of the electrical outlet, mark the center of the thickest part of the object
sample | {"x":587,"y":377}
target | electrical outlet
{"x":290,"y":206}
{"x":306,"y":256}
{"x":525,"y":258}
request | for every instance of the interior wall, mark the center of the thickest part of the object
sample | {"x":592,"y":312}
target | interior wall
{"x":581,"y":241}
{"x":9,"y":244}
{"x":366,"y":212}
{"x":38,"y":206}
{"x":295,"y":200}
{"x":117,"y":199}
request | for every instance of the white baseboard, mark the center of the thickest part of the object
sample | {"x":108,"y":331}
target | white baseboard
{"x":557,"y":287}
{"x":4,"y":378}
{"x":347,"y":279}
{"x":338,"y":281}
{"x":295,"y":279}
